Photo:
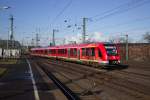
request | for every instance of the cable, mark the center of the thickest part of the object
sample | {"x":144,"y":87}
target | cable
{"x":61,"y":12}
{"x":128,"y":6}
{"x":120,"y":6}
{"x":125,"y":23}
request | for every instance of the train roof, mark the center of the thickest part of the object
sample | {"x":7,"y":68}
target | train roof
{"x":74,"y":46}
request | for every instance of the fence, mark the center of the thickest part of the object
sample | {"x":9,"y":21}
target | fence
{"x":136,"y":51}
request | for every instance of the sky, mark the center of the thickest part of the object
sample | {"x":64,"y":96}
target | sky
{"x":105,"y":19}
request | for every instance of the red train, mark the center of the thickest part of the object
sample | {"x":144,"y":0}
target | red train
{"x":92,"y":53}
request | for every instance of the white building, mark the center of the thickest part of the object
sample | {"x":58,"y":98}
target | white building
{"x":9,"y":51}
{"x":0,"y":52}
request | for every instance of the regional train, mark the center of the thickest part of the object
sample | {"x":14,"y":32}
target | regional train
{"x":94,"y":54}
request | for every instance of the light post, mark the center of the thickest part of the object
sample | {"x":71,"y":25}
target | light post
{"x":5,"y":8}
{"x":127,"y":47}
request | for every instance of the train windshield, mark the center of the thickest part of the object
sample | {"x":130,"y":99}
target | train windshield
{"x":111,"y":50}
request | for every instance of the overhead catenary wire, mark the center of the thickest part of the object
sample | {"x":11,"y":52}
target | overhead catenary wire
{"x":61,"y":12}
{"x":125,"y":23}
{"x":120,"y":9}
{"x":110,"y":10}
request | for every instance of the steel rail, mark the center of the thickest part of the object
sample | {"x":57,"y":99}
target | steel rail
{"x":67,"y":92}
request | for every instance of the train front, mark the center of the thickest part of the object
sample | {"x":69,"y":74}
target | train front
{"x":113,"y":56}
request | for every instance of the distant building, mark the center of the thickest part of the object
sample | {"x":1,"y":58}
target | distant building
{"x":10,"y":49}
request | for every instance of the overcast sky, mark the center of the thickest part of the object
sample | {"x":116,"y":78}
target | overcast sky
{"x":106,"y":18}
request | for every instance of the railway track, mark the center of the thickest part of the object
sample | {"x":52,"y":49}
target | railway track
{"x":67,"y":79}
{"x":67,"y":92}
{"x":108,"y":79}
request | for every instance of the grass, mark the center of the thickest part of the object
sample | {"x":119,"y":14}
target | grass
{"x":2,"y":71}
{"x":8,"y":61}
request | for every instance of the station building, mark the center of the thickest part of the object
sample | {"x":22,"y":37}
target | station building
{"x":10,"y":49}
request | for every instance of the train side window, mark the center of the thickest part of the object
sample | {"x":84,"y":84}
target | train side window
{"x":83,"y":52}
{"x":87,"y":51}
{"x":99,"y":53}
{"x":49,"y":51}
{"x":62,"y":51}
{"x":71,"y":52}
{"x":65,"y":51}
{"x":53,"y":51}
{"x":59,"y":51}
{"x":68,"y":52}
{"x":45,"y":51}
{"x":93,"y":51}
{"x":75,"y":52}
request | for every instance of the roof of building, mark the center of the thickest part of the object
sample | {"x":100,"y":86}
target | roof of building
{"x":11,"y":44}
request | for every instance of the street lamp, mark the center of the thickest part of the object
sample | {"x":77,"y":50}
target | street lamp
{"x":127,"y":50}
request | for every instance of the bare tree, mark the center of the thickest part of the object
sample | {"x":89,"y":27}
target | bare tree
{"x":117,"y":39}
{"x":146,"y":37}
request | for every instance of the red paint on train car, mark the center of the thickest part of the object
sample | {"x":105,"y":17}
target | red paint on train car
{"x":102,"y":53}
